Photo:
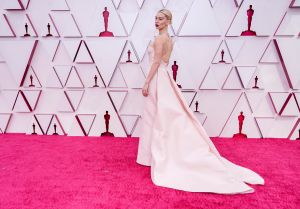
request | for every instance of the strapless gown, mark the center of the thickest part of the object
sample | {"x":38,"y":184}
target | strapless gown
{"x":178,"y":149}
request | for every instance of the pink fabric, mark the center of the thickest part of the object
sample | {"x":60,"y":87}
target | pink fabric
{"x":177,"y":147}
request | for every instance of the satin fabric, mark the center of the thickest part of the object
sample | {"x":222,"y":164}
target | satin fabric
{"x":176,"y":146}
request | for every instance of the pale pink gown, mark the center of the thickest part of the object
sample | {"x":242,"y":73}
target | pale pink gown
{"x":178,"y":149}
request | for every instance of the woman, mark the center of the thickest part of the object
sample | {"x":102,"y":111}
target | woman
{"x":173,"y":142}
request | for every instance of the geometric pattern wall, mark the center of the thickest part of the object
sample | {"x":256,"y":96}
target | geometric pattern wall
{"x":50,"y":80}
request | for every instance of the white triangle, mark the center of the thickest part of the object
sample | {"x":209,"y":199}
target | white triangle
{"x":72,"y":47}
{"x":32,"y":97}
{"x":44,"y":120}
{"x":51,"y":46}
{"x":209,"y":81}
{"x":235,"y":46}
{"x":140,"y":2}
{"x":59,"y":5}
{"x":133,"y":75}
{"x":118,"y":98}
{"x":87,"y":73}
{"x":291,"y":109}
{"x":278,"y":99}
{"x":5,"y":30}
{"x":20,"y":105}
{"x":140,"y":47}
{"x":106,"y":62}
{"x":201,"y":117}
{"x":35,"y":80}
{"x":117,"y":80}
{"x":53,"y":81}
{"x":83,"y":56}
{"x":86,"y":121}
{"x":4,"y":119}
{"x":260,"y":103}
{"x":116,"y":3}
{"x":63,"y":72}
{"x":59,"y":129}
{"x":265,"y":125}
{"x":218,"y":56}
{"x":129,"y":122}
{"x":21,"y":49}
{"x":249,"y":125}
{"x":62,"y":57}
{"x":189,"y":96}
{"x":292,"y":63}
{"x":206,"y":24}
{"x":270,"y":55}
{"x":74,"y":80}
{"x":53,"y":30}
{"x":233,"y":81}
{"x":125,"y":57}
{"x":75,"y":97}
{"x":10,"y":97}
{"x":64,"y":104}
{"x":9,"y":82}
{"x":129,"y":19}
{"x":164,"y":2}
{"x":246,"y":73}
{"x":37,"y":128}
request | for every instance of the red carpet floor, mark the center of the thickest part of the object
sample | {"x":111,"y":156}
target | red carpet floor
{"x":79,"y":172}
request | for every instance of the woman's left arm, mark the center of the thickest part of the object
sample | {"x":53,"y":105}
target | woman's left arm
{"x":158,"y":51}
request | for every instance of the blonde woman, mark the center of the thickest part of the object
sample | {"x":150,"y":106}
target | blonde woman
{"x":172,"y":141}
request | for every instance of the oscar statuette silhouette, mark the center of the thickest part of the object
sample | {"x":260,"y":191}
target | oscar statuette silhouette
{"x":196,"y":103}
{"x":105,"y":15}
{"x":175,"y":69}
{"x":255,"y":85}
{"x":49,"y":33}
{"x":55,"y":133}
{"x":107,"y":118}
{"x":241,"y":119}
{"x":26,"y":30}
{"x":222,"y":57}
{"x":249,"y":32}
{"x":31,"y":81}
{"x":95,"y":79}
{"x":128,"y":53}
{"x":33,"y":128}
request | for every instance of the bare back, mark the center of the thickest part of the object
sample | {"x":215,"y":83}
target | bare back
{"x":167,"y":50}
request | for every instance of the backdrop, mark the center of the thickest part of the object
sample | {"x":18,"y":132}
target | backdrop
{"x":47,"y":80}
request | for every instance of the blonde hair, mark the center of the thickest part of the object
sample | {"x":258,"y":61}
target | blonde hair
{"x":167,"y":13}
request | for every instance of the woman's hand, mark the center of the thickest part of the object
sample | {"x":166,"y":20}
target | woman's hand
{"x":145,"y":89}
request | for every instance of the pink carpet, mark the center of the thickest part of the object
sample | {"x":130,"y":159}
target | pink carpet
{"x":88,"y":172}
